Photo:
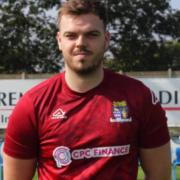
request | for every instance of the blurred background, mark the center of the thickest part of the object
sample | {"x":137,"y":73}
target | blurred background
{"x":145,"y":44}
{"x":145,"y":36}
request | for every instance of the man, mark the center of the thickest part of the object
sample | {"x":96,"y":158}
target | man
{"x":87,"y":122}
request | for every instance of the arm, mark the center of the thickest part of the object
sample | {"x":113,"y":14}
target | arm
{"x":16,"y":169}
{"x":156,"y":162}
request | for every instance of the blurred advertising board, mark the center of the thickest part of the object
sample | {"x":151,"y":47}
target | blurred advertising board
{"x":167,"y":90}
{"x":10,"y":92}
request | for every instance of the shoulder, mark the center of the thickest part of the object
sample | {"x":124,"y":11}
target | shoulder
{"x":124,"y":81}
{"x":44,"y":91}
{"x":47,"y":85}
{"x":133,"y":89}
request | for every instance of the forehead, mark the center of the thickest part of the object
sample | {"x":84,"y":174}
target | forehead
{"x":86,"y":22}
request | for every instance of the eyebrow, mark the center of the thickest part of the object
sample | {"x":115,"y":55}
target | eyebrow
{"x":88,"y":32}
{"x":93,"y":31}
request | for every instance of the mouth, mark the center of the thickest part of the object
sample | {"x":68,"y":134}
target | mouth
{"x":82,"y":53}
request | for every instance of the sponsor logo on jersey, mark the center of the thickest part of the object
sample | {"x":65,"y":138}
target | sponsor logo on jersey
{"x":121,"y":112}
{"x":58,"y":114}
{"x":64,"y":157}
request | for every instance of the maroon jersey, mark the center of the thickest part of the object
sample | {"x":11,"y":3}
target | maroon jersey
{"x":91,"y":135}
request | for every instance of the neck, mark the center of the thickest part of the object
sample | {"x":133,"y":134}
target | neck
{"x":83,"y":83}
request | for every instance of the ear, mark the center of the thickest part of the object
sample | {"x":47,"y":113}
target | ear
{"x":107,"y":39}
{"x":58,"y":38}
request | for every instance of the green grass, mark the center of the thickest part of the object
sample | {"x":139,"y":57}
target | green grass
{"x":178,"y":173}
{"x":141,"y":175}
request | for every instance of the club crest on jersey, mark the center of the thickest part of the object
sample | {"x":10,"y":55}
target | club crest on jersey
{"x":120,"y":112}
{"x":62,"y":156}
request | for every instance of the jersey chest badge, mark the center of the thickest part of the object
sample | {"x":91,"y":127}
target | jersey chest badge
{"x":58,"y":114}
{"x":120,"y":112}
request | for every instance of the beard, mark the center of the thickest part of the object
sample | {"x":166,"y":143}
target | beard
{"x":86,"y":70}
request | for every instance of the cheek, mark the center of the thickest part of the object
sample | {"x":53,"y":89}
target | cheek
{"x":98,"y":44}
{"x":66,"y":47}
{"x":99,"y":47}
{"x":67,"y":53}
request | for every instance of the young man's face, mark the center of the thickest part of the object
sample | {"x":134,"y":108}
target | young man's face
{"x":83,"y":41}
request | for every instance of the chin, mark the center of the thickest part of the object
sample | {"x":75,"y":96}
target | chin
{"x":86,"y":70}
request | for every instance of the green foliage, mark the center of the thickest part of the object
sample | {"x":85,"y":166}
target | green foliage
{"x":171,"y":52}
{"x":140,"y":30}
{"x":145,"y":36}
{"x":27,"y":38}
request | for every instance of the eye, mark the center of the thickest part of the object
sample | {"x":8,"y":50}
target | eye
{"x":70,"y":36}
{"x":92,"y":34}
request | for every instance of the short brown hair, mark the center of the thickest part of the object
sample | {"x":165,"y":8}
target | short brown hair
{"x":80,"y":7}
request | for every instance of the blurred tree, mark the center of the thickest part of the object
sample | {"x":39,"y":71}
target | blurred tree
{"x":27,"y":37}
{"x":171,"y":52}
{"x":141,"y":30}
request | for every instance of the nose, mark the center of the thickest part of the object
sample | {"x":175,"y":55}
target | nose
{"x":81,"y":41}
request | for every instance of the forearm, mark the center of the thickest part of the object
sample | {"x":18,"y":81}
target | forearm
{"x":18,"y":168}
{"x":158,"y":177}
{"x":156,"y":163}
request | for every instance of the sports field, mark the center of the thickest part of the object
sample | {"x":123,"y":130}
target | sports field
{"x":140,"y":174}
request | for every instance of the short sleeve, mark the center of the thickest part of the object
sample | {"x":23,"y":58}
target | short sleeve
{"x":21,"y":133}
{"x":153,"y":127}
